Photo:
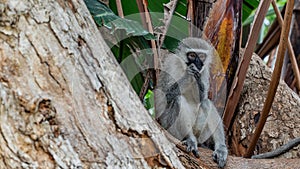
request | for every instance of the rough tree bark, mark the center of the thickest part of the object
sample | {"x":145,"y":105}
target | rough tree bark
{"x":65,"y":102}
{"x":283,"y":123}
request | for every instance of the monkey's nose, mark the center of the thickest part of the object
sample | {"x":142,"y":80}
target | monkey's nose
{"x":195,"y":67}
{"x":199,"y":64}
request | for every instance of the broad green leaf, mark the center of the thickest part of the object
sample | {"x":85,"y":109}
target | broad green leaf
{"x":131,"y":37}
{"x":248,"y":7}
{"x":129,"y":7}
{"x":104,"y":16}
{"x":270,"y":13}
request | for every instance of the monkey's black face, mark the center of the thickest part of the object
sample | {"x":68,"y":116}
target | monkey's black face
{"x":196,"y":58}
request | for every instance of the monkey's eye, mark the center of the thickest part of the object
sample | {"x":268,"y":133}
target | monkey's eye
{"x":202,"y":56}
{"x":191,"y":56}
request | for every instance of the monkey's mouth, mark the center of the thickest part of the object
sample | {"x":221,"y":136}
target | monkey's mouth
{"x":196,"y":68}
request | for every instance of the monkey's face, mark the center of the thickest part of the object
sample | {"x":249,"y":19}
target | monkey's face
{"x":197,"y":54}
{"x":197,"y":59}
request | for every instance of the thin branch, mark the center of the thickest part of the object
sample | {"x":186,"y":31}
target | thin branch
{"x":145,"y":85}
{"x":153,"y":44}
{"x":142,"y":13}
{"x":290,"y":48}
{"x":292,"y":85}
{"x":190,"y":11}
{"x":190,"y":16}
{"x":271,"y":58}
{"x":167,"y":22}
{"x":240,"y":76}
{"x":147,"y":23}
{"x":119,"y":8}
{"x":275,"y":77}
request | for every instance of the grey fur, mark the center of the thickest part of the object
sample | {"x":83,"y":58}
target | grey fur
{"x":181,"y":100}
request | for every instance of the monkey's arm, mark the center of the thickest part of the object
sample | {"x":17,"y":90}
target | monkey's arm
{"x":167,"y":100}
{"x":215,"y":127}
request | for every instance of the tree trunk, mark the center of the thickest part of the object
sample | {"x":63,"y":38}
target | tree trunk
{"x":65,"y":102}
{"x":283,"y":123}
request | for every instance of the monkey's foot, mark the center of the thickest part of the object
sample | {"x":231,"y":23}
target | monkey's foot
{"x":220,"y":156}
{"x":191,"y":146}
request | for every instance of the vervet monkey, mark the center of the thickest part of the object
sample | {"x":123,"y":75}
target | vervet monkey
{"x":181,"y":99}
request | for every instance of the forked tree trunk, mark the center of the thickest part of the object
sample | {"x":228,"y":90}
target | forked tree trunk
{"x":65,"y":102}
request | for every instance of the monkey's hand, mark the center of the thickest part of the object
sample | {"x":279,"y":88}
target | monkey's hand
{"x":191,"y":145}
{"x":220,"y":156}
{"x":193,"y":70}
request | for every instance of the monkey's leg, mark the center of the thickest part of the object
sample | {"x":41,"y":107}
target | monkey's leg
{"x":216,"y":127}
{"x":185,"y":123}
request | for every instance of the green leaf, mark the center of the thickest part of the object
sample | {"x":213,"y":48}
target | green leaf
{"x":129,"y":7}
{"x":270,"y":13}
{"x":248,"y":7}
{"x":131,"y":38}
{"x":149,"y":101}
{"x":104,"y":16}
